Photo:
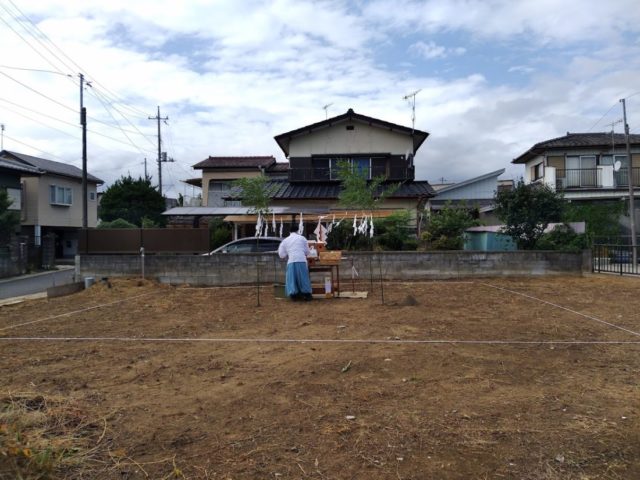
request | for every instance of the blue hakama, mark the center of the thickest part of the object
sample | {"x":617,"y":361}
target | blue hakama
{"x":297,"y":280}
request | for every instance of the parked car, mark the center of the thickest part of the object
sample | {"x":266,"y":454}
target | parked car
{"x":622,"y":256}
{"x":250,"y":245}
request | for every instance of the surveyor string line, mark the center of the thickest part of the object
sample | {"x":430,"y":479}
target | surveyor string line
{"x":317,"y":340}
{"x":595,"y":319}
{"x":66,"y":314}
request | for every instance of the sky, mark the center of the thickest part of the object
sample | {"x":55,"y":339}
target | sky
{"x":494,"y":77}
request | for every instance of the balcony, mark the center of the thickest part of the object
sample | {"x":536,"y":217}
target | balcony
{"x":331,"y":175}
{"x":602,"y":176}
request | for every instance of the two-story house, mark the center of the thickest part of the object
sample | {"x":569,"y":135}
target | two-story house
{"x":51,"y":194}
{"x":308,"y":183}
{"x":584,"y":166}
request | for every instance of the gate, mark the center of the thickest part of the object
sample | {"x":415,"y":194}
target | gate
{"x":615,"y":255}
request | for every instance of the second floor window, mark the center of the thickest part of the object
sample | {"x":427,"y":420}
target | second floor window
{"x":60,"y":195}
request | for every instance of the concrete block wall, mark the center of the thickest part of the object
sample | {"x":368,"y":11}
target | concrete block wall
{"x":238,"y":269}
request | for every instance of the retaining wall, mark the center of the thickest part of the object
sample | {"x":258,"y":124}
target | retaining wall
{"x":230,"y":269}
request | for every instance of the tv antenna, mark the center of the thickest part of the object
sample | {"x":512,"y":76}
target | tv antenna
{"x":411,"y":98}
{"x":326,"y":110}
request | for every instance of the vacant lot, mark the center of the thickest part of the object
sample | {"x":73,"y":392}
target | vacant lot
{"x":161,"y":382}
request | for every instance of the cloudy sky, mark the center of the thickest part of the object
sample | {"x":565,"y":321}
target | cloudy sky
{"x":495,"y":76}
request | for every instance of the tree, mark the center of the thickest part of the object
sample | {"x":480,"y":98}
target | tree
{"x":132,"y":200}
{"x":117,"y":223}
{"x":357,"y":191}
{"x":602,"y":219}
{"x":255,"y":193}
{"x":527,"y":210}
{"x":9,"y":219}
{"x":446,"y":228}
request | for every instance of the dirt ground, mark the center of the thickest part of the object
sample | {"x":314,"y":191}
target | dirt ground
{"x":171,"y":406}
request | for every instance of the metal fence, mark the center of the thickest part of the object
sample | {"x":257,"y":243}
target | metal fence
{"x":615,"y":255}
{"x":154,"y":240}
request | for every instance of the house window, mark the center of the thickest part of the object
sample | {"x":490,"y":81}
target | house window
{"x":537,"y":172}
{"x":362,"y":164}
{"x":60,"y":195}
{"x":219,"y":186}
{"x":92,"y":195}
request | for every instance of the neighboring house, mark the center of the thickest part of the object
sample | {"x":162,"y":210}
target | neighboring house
{"x":581,"y":165}
{"x":476,"y":194}
{"x":51,"y":194}
{"x":309,"y":182}
{"x":490,"y":238}
{"x":11,"y":172}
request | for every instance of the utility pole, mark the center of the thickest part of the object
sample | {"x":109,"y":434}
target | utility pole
{"x":632,"y":210}
{"x":2,"y":136}
{"x":159,"y":118}
{"x":83,"y":122}
{"x":145,"y":168}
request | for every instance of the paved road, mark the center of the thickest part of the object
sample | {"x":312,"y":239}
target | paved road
{"x":36,"y":283}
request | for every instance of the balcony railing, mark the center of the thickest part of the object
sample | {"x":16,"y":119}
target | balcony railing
{"x":578,"y":178}
{"x":621,"y":177}
{"x":330,"y":175}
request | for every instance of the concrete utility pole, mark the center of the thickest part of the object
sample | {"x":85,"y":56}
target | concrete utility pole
{"x":632,"y":210}
{"x":2,"y":136}
{"x":83,"y":122}
{"x":159,"y":118}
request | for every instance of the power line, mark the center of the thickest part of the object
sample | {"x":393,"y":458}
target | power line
{"x":120,"y":127}
{"x":605,"y":114}
{"x":97,"y":92}
{"x":36,"y":70}
{"x":32,"y":147}
{"x":37,"y":92}
{"x":61,"y":121}
{"x":56,"y":47}
{"x":39,"y":122}
{"x":17,"y":20}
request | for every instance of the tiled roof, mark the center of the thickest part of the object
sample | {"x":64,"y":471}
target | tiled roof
{"x":279,"y":167}
{"x":236,"y":162}
{"x":578,"y":140}
{"x":19,"y":167}
{"x":284,"y":138}
{"x":283,"y":190}
{"x":49,"y":166}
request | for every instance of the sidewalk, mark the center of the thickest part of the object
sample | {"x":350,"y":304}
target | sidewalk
{"x":36,"y":282}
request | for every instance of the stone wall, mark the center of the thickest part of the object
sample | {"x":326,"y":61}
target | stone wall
{"x":246,"y":268}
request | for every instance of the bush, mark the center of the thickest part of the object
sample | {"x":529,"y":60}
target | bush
{"x":219,"y":233}
{"x":562,"y":238}
{"x":446,"y":228}
{"x":117,"y":223}
{"x":391,"y":233}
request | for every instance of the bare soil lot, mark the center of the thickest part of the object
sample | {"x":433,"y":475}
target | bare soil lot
{"x":152,"y":382}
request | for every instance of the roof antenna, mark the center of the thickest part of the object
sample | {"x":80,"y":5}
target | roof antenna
{"x":326,"y":110}
{"x":411,"y":98}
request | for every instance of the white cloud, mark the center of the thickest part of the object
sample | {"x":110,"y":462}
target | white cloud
{"x":431,"y":50}
{"x":257,"y":69}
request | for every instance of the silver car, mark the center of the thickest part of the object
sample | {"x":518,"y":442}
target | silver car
{"x":250,"y":245}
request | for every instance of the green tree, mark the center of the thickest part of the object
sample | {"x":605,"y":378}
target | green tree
{"x":132,"y":200}
{"x":527,"y":210}
{"x":117,"y":223}
{"x":9,"y":219}
{"x":219,"y":233}
{"x":255,"y":193}
{"x":446,"y":228}
{"x":602,"y":219}
{"x":357,"y":191}
{"x":562,"y":238}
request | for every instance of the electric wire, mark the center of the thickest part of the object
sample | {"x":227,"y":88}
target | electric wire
{"x":32,"y":147}
{"x":24,"y":69}
{"x":120,"y":127}
{"x":64,"y":121}
{"x":38,"y":93}
{"x":97,"y":93}
{"x":40,"y":122}
{"x":119,"y":100}
{"x":17,"y":20}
